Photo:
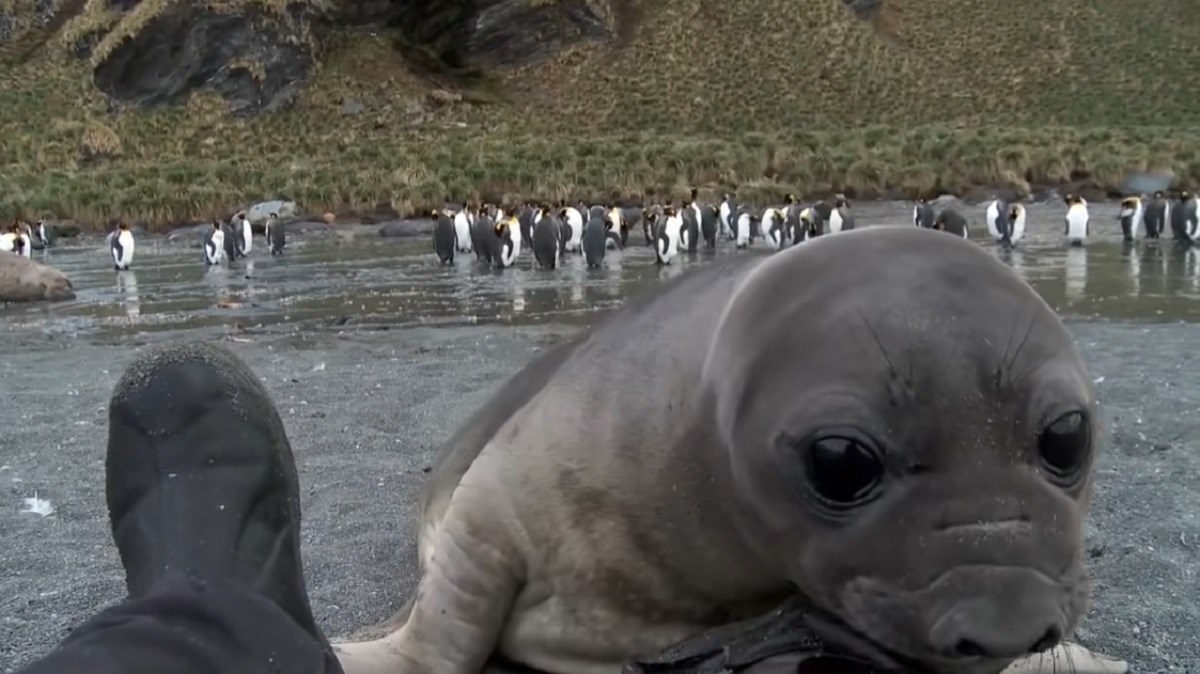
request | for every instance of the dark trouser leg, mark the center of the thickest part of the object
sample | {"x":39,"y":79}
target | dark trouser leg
{"x":190,"y":627}
{"x":205,"y":511}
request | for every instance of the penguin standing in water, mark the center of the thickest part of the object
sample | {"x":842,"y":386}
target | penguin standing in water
{"x":482,"y":237}
{"x":1015,"y":228}
{"x":811,"y":225}
{"x":547,"y":241}
{"x":214,"y":244}
{"x":1184,"y":216}
{"x":923,"y":214}
{"x":996,"y":217}
{"x":44,"y":234}
{"x":122,"y":247}
{"x":689,"y":233}
{"x":16,"y":241}
{"x":744,"y":228}
{"x":667,"y":229}
{"x":727,"y":216}
{"x":773,"y":227}
{"x":951,"y":222}
{"x":793,"y":228}
{"x":650,"y":218}
{"x":246,"y":233}
{"x":615,"y":218}
{"x":462,"y":229}
{"x":1133,"y":213}
{"x":1076,"y":230}
{"x":444,"y":240}
{"x":708,"y":225}
{"x":276,"y":234}
{"x":595,"y":240}
{"x":231,"y":236}
{"x":572,"y":219}
{"x":526,"y":218}
{"x":840,"y":219}
{"x":1157,"y":216}
{"x":508,"y":231}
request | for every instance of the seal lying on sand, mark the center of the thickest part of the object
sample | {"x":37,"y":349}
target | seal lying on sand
{"x":24,"y":280}
{"x":912,"y":450}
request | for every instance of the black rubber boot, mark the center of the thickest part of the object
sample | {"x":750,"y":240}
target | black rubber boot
{"x":200,"y":478}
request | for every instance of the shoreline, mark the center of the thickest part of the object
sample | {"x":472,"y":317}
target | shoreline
{"x":411,"y":225}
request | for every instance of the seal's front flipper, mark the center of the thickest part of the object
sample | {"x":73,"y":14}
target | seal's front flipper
{"x":1068,"y":658}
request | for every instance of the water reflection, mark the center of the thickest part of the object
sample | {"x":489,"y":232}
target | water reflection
{"x":1133,"y":258}
{"x":1076,"y":272}
{"x":127,"y":290}
{"x":364,"y":282}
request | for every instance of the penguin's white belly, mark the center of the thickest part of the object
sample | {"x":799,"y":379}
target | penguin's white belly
{"x":743,"y":231}
{"x":123,"y":257}
{"x":991,"y":217}
{"x":576,"y":222}
{"x":1077,"y":223}
{"x":247,"y":237}
{"x":723,"y":216}
{"x":835,"y":221}
{"x":462,"y":233}
{"x":8,"y":242}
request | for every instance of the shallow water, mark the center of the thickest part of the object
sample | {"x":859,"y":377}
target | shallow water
{"x":354,"y":279}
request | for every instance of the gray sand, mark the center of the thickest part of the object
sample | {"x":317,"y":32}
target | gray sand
{"x":342,"y":397}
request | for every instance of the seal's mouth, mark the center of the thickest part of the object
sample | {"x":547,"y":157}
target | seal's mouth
{"x":970,"y":618}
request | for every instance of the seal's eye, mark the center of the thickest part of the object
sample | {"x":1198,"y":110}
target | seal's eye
{"x":843,"y":470}
{"x":1064,"y":446}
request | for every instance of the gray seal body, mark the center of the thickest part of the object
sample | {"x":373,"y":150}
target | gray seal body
{"x":920,"y":469}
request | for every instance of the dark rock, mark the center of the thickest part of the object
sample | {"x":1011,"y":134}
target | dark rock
{"x":406,"y":228}
{"x":256,"y":60}
{"x":486,"y":33}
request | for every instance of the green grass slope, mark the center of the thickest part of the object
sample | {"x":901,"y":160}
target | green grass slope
{"x":769,"y":96}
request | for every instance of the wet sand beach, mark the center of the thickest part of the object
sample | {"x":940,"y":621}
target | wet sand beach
{"x":374,"y":354}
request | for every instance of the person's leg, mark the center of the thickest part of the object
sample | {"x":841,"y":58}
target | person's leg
{"x":205,"y":511}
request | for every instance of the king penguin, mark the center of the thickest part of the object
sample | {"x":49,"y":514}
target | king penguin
{"x":443,"y":237}
{"x":1157,"y":216}
{"x":214,"y":244}
{"x":726,"y":217}
{"x":773,"y":227}
{"x":595,"y":239}
{"x":481,"y":237}
{"x":1185,"y":212}
{"x":276,"y":234}
{"x":1133,"y":213}
{"x":689,"y":233}
{"x":462,"y":229}
{"x":951,"y":222}
{"x":547,"y":240}
{"x":1076,"y":226}
{"x":122,"y":247}
{"x":923,"y":214}
{"x":508,"y":231}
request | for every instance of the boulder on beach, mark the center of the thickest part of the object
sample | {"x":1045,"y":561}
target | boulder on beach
{"x":257,"y":214}
{"x":24,"y":280}
{"x":405,"y":228}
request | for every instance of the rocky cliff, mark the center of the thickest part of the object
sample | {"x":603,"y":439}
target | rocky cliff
{"x":168,"y":108}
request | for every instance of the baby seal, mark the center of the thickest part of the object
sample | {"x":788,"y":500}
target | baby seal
{"x":918,"y":469}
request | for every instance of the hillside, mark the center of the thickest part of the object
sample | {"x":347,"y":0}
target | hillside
{"x":366,"y":105}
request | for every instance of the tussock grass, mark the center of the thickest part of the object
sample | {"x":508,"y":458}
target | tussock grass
{"x":770,"y":96}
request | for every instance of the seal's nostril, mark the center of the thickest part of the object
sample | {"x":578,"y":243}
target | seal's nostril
{"x":969,"y":649}
{"x":1049,"y":640}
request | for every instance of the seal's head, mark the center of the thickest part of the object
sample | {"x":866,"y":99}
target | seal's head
{"x":912,"y":447}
